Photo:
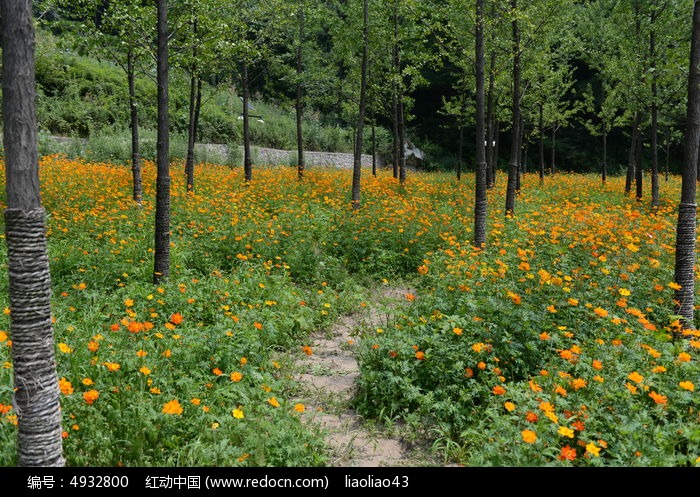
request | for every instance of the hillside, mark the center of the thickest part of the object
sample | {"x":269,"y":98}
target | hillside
{"x":85,"y":100}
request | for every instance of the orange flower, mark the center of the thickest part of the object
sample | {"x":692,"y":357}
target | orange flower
{"x":457,"y":331}
{"x":93,"y":346}
{"x":600,"y":312}
{"x":468,"y":372}
{"x":114,"y":327}
{"x":257,"y":325}
{"x":420,"y":355}
{"x":307,"y":350}
{"x":217,"y":371}
{"x":687,"y":385}
{"x":410,"y":297}
{"x":236,"y":376}
{"x":91,"y":396}
{"x":299,"y":407}
{"x":578,"y":383}
{"x":273,"y":402}
{"x":65,"y":386}
{"x":112,"y":366}
{"x":498,"y":390}
{"x":423,"y":269}
{"x":176,"y":318}
{"x":529,"y":436}
{"x":567,"y":453}
{"x":684,"y":357}
{"x":531,"y":417}
{"x":658,"y":398}
{"x":635,"y":377}
{"x":597,"y":365}
{"x":172,"y":407}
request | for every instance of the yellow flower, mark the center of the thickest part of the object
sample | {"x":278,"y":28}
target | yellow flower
{"x":145,"y":371}
{"x":238,"y":413}
{"x":566,"y":432}
{"x":457,"y":331}
{"x":64,"y":348}
{"x":299,"y":407}
{"x":600,"y":312}
{"x":3,"y":336}
{"x":593,"y":449}
{"x":510,"y":406}
{"x":675,"y":286}
{"x":172,"y":407}
{"x":273,"y":402}
{"x":529,"y":436}
{"x":112,"y":366}
{"x":687,"y":385}
{"x":236,"y":376}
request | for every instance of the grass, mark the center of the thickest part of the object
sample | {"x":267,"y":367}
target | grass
{"x":554,"y":346}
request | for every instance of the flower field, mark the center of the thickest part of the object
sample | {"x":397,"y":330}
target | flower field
{"x":556,"y":345}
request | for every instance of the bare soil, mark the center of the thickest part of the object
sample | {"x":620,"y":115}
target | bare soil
{"x":327,"y":378}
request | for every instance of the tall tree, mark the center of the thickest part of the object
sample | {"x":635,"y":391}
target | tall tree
{"x":114,"y":30}
{"x":480,"y":202}
{"x":36,"y":392}
{"x":686,"y":227}
{"x":515,"y":130}
{"x":161,"y":268}
{"x":357,"y":158}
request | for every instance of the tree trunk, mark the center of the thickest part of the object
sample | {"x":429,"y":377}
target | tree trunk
{"x":460,"y":145}
{"x":654,"y":116}
{"x":189,"y":162}
{"x":515,"y":132}
{"x":638,"y":169}
{"x":541,"y":126}
{"x":490,"y":133}
{"x":604,"y":173}
{"x":480,"y":202}
{"x":161,"y":269}
{"x":686,"y":228}
{"x":247,"y":156}
{"x":374,"y":148}
{"x":634,"y":136}
{"x":357,"y":159}
{"x":134,"y":124}
{"x":554,"y":148}
{"x":300,"y":97}
{"x":497,"y":143}
{"x":36,"y":397}
{"x":395,"y":129}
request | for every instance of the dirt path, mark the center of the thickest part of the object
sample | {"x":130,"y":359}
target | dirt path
{"x":327,"y":378}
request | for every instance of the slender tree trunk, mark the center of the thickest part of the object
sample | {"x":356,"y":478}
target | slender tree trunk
{"x":247,"y":155}
{"x":400,"y":118}
{"x":490,"y":133}
{"x":395,"y":143}
{"x":402,"y":142}
{"x":357,"y":159}
{"x":685,"y":233}
{"x":639,"y":169}
{"x":36,"y":395}
{"x":374,"y":148}
{"x":189,"y":161}
{"x":197,"y":109}
{"x":497,"y":143}
{"x":541,"y":128}
{"x":515,"y":132}
{"x":300,"y":96}
{"x":460,"y":146}
{"x":604,"y":174}
{"x":554,"y":148}
{"x":667,"y":151}
{"x":634,"y":136}
{"x":480,"y":202}
{"x":161,"y":269}
{"x":654,"y":116}
{"x":521,"y":163}
{"x":134,"y":119}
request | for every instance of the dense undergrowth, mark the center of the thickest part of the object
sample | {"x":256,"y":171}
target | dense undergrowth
{"x":556,"y":345}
